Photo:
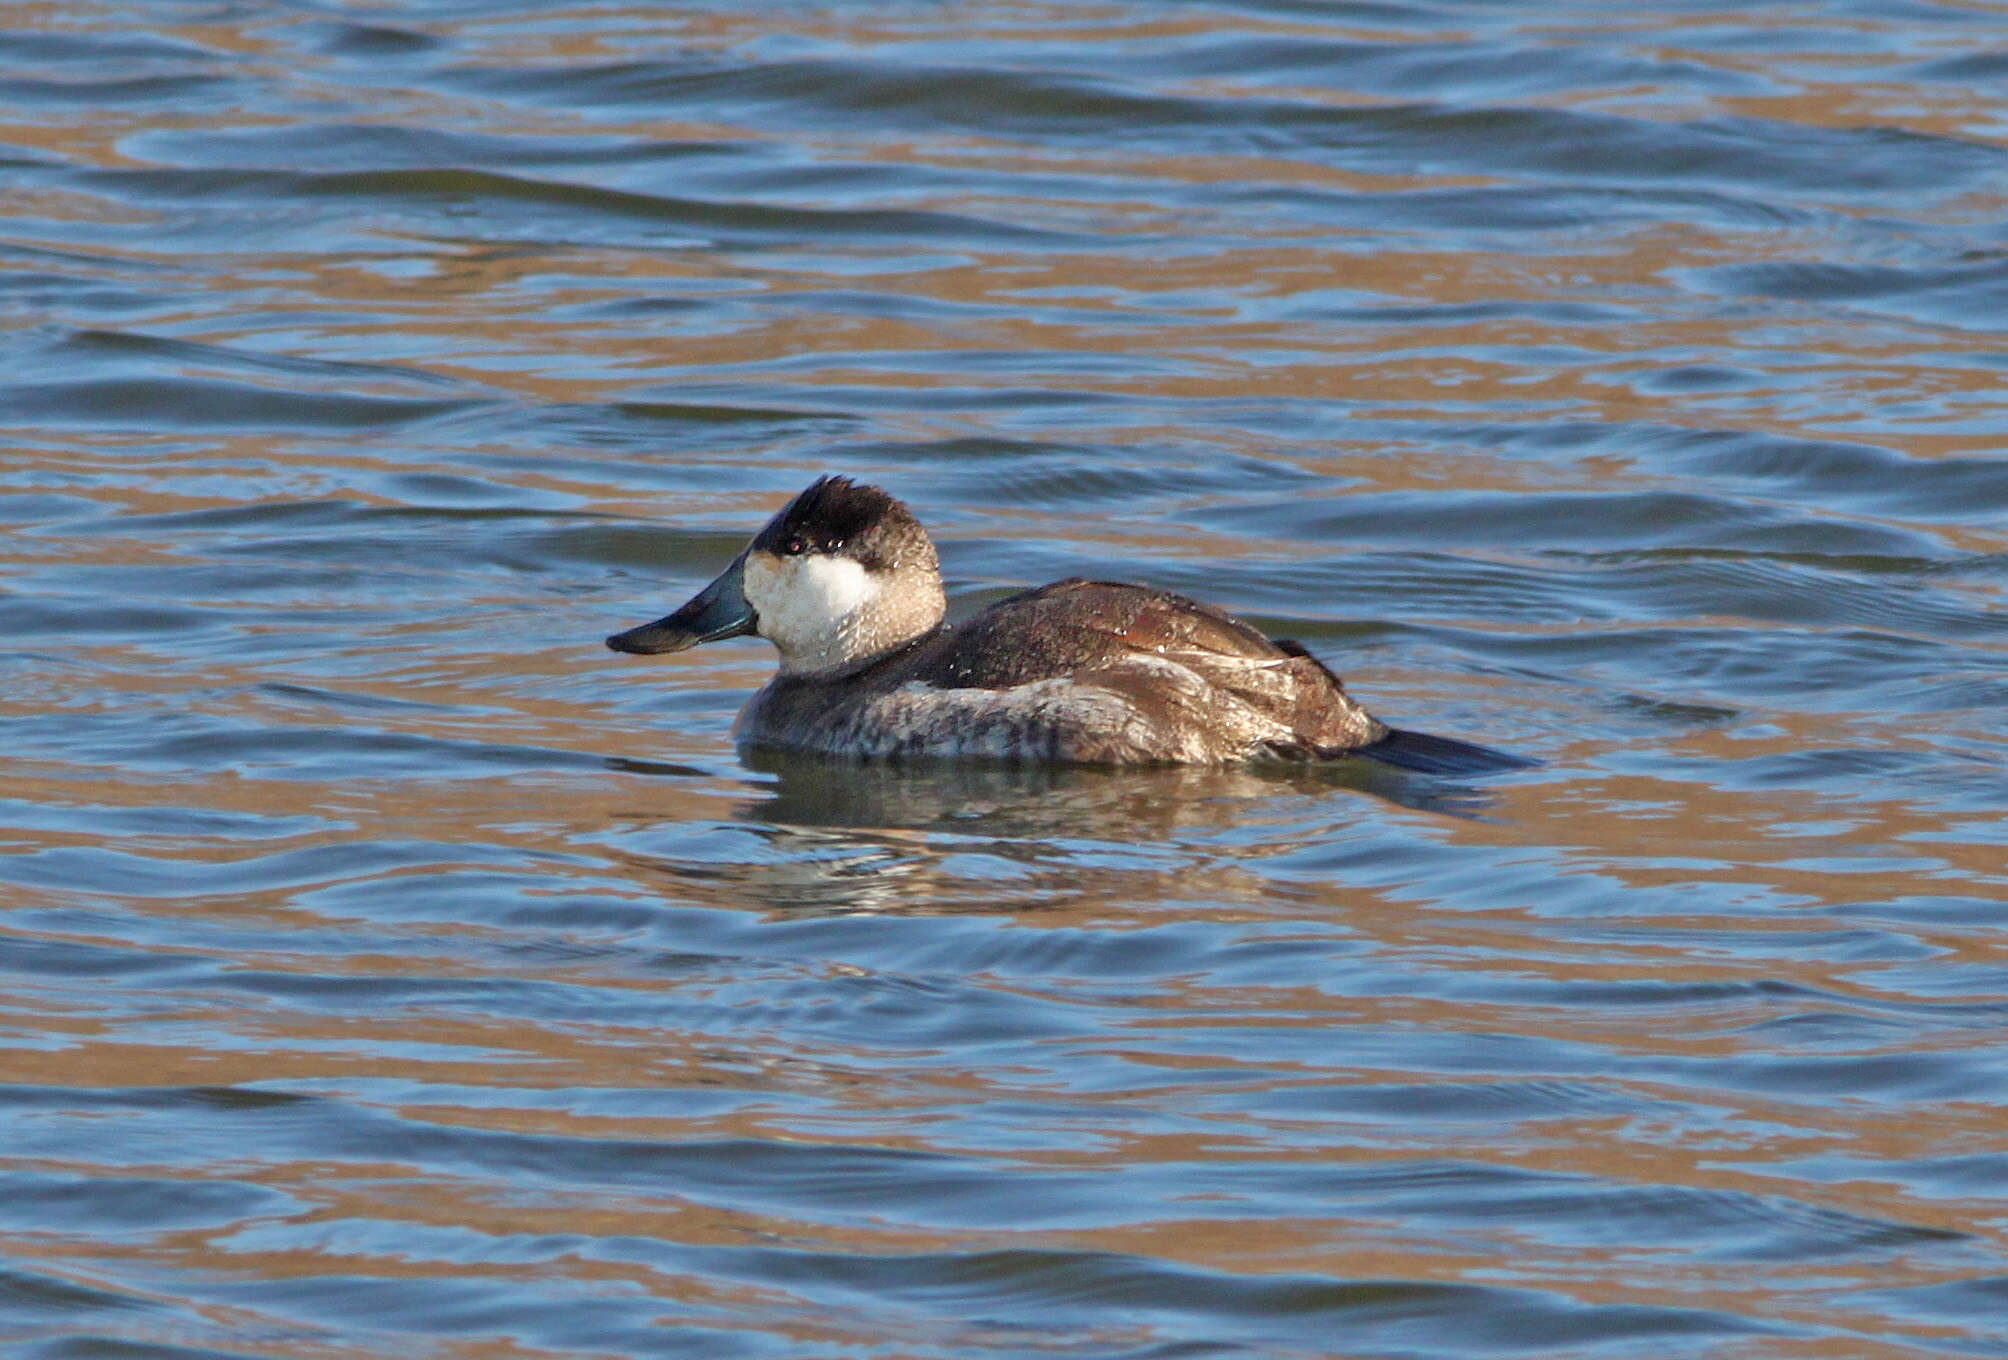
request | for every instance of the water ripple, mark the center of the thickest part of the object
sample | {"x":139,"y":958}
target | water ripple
{"x":386,"y":969}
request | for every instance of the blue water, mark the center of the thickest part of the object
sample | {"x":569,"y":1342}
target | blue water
{"x":387,"y":970}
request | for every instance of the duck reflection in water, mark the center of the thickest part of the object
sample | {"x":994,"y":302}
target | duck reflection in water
{"x":847,"y":586}
{"x":1070,"y":802}
{"x":939,"y":836}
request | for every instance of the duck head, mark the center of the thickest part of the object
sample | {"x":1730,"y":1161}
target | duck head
{"x":843,"y":574}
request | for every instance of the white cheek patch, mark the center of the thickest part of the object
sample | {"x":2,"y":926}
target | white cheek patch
{"x":837,"y":585}
{"x":808,"y":605}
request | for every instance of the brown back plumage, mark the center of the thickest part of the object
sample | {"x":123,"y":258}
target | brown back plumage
{"x":1115,"y":637}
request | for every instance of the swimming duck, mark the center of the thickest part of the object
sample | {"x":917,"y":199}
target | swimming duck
{"x":846,"y":584}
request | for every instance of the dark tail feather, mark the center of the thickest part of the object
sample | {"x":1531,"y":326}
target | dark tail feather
{"x":1425,"y":754}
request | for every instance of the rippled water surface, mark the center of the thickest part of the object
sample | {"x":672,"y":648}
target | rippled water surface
{"x":388,"y":970}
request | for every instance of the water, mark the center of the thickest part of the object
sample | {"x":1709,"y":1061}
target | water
{"x":390,"y":971}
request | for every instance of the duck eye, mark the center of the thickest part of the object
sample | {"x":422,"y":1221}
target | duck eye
{"x":795,"y":546}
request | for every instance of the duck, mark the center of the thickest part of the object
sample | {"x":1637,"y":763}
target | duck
{"x":846,"y":584}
